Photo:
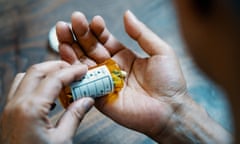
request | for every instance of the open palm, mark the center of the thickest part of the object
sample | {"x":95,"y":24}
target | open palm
{"x":152,"y":85}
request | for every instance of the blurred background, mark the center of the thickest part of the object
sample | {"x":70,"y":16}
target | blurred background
{"x":24,"y":27}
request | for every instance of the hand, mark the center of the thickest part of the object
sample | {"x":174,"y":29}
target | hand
{"x":25,"y":117}
{"x":153,"y":85}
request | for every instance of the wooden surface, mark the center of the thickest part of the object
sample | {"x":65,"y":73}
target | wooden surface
{"x":24,"y":27}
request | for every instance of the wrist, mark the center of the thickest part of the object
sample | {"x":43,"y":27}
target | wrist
{"x":175,"y":130}
{"x":179,"y":106}
{"x":190,"y":123}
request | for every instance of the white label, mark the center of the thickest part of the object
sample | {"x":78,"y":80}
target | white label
{"x":97,"y":82}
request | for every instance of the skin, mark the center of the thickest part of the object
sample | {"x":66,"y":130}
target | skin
{"x":158,"y":106}
{"x":213,"y":40}
{"x":140,"y":100}
{"x":25,"y":117}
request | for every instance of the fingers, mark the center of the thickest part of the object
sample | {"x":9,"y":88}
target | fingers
{"x":94,"y":42}
{"x":68,"y":54}
{"x":88,"y":42}
{"x":36,"y":73}
{"x":101,"y":32}
{"x":47,"y":67}
{"x":45,"y":80}
{"x":148,"y":40}
{"x":74,"y":55}
{"x":65,"y":36}
{"x":54,"y":82}
{"x":64,"y":33}
{"x":71,"y":119}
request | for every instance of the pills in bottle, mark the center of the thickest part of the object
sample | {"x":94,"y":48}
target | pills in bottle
{"x":104,"y":79}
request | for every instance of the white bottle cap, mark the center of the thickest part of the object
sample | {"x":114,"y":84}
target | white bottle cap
{"x":53,"y":40}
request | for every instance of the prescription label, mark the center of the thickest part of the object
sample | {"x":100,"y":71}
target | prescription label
{"x":97,"y":82}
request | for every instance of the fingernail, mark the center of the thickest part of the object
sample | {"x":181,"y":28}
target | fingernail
{"x":88,"y":103}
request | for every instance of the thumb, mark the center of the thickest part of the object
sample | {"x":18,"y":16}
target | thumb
{"x":147,"y":40}
{"x":69,"y":122}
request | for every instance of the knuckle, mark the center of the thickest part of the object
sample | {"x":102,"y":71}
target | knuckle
{"x":36,"y":70}
{"x":64,"y":63}
{"x":25,"y":109}
{"x":19,"y":75}
{"x":34,"y":67}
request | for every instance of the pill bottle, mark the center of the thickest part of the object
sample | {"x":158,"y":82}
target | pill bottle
{"x":104,"y":79}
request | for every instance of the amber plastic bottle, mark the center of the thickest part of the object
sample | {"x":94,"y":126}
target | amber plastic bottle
{"x":103,"y":79}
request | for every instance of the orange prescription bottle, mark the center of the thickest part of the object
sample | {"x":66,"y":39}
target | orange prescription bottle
{"x":103,"y":79}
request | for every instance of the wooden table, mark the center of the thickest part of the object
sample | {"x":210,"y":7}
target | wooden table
{"x":24,"y":27}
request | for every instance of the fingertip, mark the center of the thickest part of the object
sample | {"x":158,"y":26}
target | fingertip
{"x":98,"y":21}
{"x":129,"y":14}
{"x":79,"y":23}
{"x":97,"y":17}
{"x":80,"y":69}
{"x":59,"y":24}
{"x":131,"y":24}
{"x":85,"y":104}
{"x":64,"y":33}
{"x":72,"y":117}
{"x":147,"y":39}
{"x":77,"y":14}
{"x":83,"y":67}
{"x":97,"y":25}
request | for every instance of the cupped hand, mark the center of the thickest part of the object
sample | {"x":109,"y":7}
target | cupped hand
{"x":154,"y":85}
{"x":25,"y":117}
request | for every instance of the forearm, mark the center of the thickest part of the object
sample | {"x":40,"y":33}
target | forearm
{"x":190,"y":123}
